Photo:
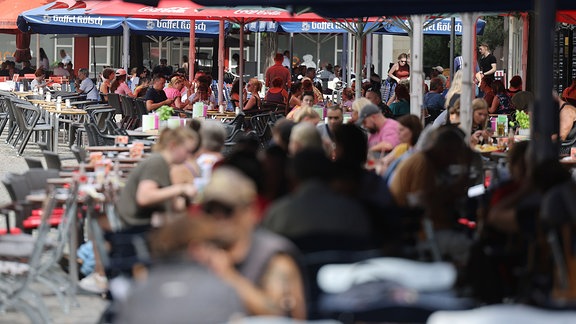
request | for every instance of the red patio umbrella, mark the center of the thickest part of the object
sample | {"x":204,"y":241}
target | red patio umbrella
{"x":182,"y":9}
{"x":10,"y":11}
{"x":22,"y":47}
{"x":566,"y":16}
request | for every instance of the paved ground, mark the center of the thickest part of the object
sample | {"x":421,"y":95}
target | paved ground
{"x":89,"y":307}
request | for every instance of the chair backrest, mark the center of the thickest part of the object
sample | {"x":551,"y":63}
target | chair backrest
{"x":100,"y":116}
{"x":114,"y":101}
{"x":114,"y":129}
{"x":128,"y":108}
{"x":260,"y":121}
{"x":26,"y":116}
{"x":17,"y":186}
{"x":95,"y":138}
{"x":79,"y":153}
{"x":141,"y":110}
{"x":52,"y":160}
{"x":36,"y":178}
{"x":33,"y":163}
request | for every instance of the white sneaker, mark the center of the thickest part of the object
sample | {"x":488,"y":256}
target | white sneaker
{"x":95,"y":283}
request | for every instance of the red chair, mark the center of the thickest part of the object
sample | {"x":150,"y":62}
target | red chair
{"x":3,"y":79}
{"x":56,"y":79}
{"x":30,"y":76}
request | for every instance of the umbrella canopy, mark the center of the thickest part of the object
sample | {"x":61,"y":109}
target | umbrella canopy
{"x":182,"y":9}
{"x":68,"y":17}
{"x":434,"y":27}
{"x":440,"y":27}
{"x":10,"y":11}
{"x":362,"y":8}
{"x":174,"y":27}
{"x":566,"y":16}
{"x":78,"y":17}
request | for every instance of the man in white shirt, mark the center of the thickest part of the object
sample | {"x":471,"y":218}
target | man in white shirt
{"x":87,"y":86}
{"x":287,"y":63}
{"x":65,"y":57}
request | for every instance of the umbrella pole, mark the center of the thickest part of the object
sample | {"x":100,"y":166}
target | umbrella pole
{"x":221,"y":63}
{"x":94,"y":58}
{"x":291,"y":54}
{"x":37,"y":50}
{"x":416,"y":70}
{"x":358,"y":56}
{"x":125,"y":45}
{"x":241,"y":68}
{"x":192,"y":50}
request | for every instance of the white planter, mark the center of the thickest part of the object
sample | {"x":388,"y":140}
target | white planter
{"x":524,"y":131}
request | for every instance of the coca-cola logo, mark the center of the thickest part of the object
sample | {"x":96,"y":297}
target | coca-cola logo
{"x":164,"y":10}
{"x":258,"y":12}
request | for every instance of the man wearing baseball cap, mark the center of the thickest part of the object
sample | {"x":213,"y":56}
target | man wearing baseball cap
{"x":383,"y":131}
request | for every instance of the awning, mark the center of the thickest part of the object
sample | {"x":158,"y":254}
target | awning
{"x":174,"y":27}
{"x":184,"y":9}
{"x":10,"y":11}
{"x":440,"y":27}
{"x":63,"y":18}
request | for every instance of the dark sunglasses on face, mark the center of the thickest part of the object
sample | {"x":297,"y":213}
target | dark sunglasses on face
{"x":217,"y":208}
{"x":403,"y":61}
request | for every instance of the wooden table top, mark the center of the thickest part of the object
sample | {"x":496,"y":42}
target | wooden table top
{"x":148,"y":133}
{"x":112,"y":148}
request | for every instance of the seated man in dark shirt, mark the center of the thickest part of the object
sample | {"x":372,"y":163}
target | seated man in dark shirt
{"x":26,"y":68}
{"x":434,"y":100}
{"x":155,"y":96}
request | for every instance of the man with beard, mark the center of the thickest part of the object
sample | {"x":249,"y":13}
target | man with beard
{"x":260,"y":265}
{"x":383,"y":131}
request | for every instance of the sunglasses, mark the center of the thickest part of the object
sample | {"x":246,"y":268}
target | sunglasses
{"x":218,"y":209}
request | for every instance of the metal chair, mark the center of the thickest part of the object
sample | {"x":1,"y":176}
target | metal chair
{"x":27,"y":117}
{"x":95,"y":138}
{"x":33,"y":163}
{"x":15,"y":287}
{"x":129,"y":112}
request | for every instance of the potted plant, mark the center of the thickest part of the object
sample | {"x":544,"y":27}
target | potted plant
{"x":164,"y":113}
{"x":522,"y":123}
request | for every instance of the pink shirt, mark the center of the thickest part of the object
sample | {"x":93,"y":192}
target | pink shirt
{"x":172,"y":93}
{"x":388,"y":133}
{"x":123,"y":89}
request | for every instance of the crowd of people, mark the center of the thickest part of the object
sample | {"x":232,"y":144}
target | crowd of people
{"x":230,"y":231}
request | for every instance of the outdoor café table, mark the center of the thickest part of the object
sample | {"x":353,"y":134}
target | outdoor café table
{"x":59,"y":181}
{"x":54,"y":116}
{"x":111,"y":148}
{"x":150,"y":134}
{"x":568,"y":162}
{"x":225,"y":116}
{"x":23,"y":95}
{"x":73,"y":239}
{"x":55,"y":120}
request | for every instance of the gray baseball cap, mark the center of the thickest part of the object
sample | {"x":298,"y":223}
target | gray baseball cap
{"x":366,"y":112}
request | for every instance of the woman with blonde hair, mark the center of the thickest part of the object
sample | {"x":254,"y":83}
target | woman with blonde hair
{"x":307,"y":115}
{"x":253,"y":104}
{"x":452,"y":97}
{"x":357,"y":106}
{"x":455,"y":90}
{"x":149,"y":189}
{"x":479,"y":121}
{"x":174,"y":91}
